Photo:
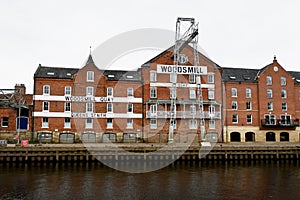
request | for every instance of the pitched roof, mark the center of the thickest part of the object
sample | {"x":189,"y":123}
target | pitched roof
{"x":239,"y":74}
{"x":296,"y":75}
{"x":55,"y":72}
{"x":119,"y":75}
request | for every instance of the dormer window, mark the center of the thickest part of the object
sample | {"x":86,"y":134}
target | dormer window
{"x":50,"y":73}
{"x":232,"y":77}
{"x":111,"y":76}
{"x":90,"y":76}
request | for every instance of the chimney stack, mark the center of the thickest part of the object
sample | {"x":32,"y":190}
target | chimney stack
{"x":21,"y":88}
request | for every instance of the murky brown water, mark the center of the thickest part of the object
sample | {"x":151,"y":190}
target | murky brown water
{"x":274,"y":180}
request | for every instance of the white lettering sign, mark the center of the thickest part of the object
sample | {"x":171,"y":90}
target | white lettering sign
{"x":181,"y":69}
{"x":88,"y":99}
{"x":89,"y":115}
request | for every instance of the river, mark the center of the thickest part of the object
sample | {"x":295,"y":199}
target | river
{"x":206,"y":180}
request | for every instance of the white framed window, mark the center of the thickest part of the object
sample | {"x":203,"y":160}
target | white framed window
{"x":248,"y":105}
{"x":152,"y":76}
{"x":89,"y":91}
{"x":67,"y":123}
{"x":110,"y":108}
{"x":153,"y":92}
{"x":153,"y":123}
{"x":193,"y":109}
{"x":129,"y":123}
{"x":283,"y":81}
{"x":235,"y":118}
{"x":210,"y":78}
{"x":173,"y":77}
{"x":233,"y":92}
{"x":153,"y":109}
{"x":270,"y":119}
{"x":212,"y":124}
{"x":46,"y":90}
{"x":68,"y":90}
{"x":234,"y":105}
{"x":248,"y":93}
{"x":90,"y":76}
{"x":270,"y":106}
{"x":109,"y":123}
{"x":283,"y":94}
{"x":285,"y":119}
{"x":46,"y":106}
{"x":67,"y":106}
{"x":130,"y":108}
{"x":88,"y":123}
{"x":129,"y":92}
{"x":249,"y":119}
{"x":269,"y":93}
{"x":45,"y":123}
{"x":89,"y":107}
{"x":211,"y":109}
{"x":110,"y":92}
{"x":284,"y":106}
{"x":192,"y":78}
{"x":192,"y":94}
{"x":211,"y":94}
{"x":4,"y":122}
{"x":269,"y":80}
{"x":193,"y":124}
{"x":172,"y":93}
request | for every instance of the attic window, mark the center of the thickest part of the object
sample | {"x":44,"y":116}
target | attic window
{"x":50,"y":73}
{"x":129,"y":76}
{"x":232,"y":77}
{"x":111,"y":75}
{"x":69,"y":74}
{"x":246,"y":77}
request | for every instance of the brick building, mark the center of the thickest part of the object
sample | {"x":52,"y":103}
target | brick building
{"x":261,"y":105}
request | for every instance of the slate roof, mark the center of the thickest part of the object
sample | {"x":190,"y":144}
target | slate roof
{"x":239,"y":74}
{"x":296,"y":75}
{"x":117,"y":75}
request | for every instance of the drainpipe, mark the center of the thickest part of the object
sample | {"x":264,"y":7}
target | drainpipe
{"x":143,"y":106}
{"x":32,"y":111}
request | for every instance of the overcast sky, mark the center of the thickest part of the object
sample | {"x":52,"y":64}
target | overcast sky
{"x":233,"y":33}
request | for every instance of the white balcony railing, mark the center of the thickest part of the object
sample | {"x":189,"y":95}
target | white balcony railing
{"x":183,"y":114}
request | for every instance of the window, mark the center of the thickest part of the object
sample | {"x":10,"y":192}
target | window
{"x":283,"y":80}
{"x":4,"y":122}
{"x":110,"y":92}
{"x":193,"y":124}
{"x":67,"y":122}
{"x":192,"y":78}
{"x":269,"y":93}
{"x":89,"y":107}
{"x":211,"y":109}
{"x":172,"y":93}
{"x":46,"y":90}
{"x":210,"y":78}
{"x":89,"y":123}
{"x":193,"y":109}
{"x":212,"y":124}
{"x":269,"y":80}
{"x":90,"y":76}
{"x":270,"y":119}
{"x":270,"y":105}
{"x":67,"y":107}
{"x":234,"y":105}
{"x":46,"y":106}
{"x":130,"y":108}
{"x":248,"y":105}
{"x":89,"y":91}
{"x":173,"y":78}
{"x":68,"y":90}
{"x":249,"y":119}
{"x":109,"y":123}
{"x":285,"y":119}
{"x":110,"y":108}
{"x":129,"y":92}
{"x":248,"y":93}
{"x":45,"y":122}
{"x":153,"y":109}
{"x":129,"y":123}
{"x":192,"y":94}
{"x":235,"y":118}
{"x":211,"y":94}
{"x":283,"y":94}
{"x":152,"y":76}
{"x":233,"y":92}
{"x":152,"y":92}
{"x":284,"y":106}
{"x":153,"y":123}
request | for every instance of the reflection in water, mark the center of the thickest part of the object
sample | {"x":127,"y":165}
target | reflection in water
{"x":230,"y":180}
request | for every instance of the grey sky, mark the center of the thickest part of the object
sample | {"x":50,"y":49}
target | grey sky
{"x":234,"y":33}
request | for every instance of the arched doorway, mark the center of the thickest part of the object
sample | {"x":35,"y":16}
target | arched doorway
{"x":270,"y":137}
{"x":67,"y":138}
{"x":284,"y":137}
{"x":88,"y":137}
{"x":250,"y":137}
{"x":235,"y":137}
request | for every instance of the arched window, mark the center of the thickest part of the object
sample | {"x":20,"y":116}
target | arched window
{"x":270,"y":137}
{"x":235,"y":137}
{"x":250,"y":137}
{"x":88,"y":137}
{"x":67,"y":138}
{"x":284,"y":137}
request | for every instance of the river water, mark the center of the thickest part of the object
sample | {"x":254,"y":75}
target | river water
{"x":206,"y":180}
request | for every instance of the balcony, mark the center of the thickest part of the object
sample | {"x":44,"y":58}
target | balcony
{"x":183,"y":115}
{"x":279,"y":124}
